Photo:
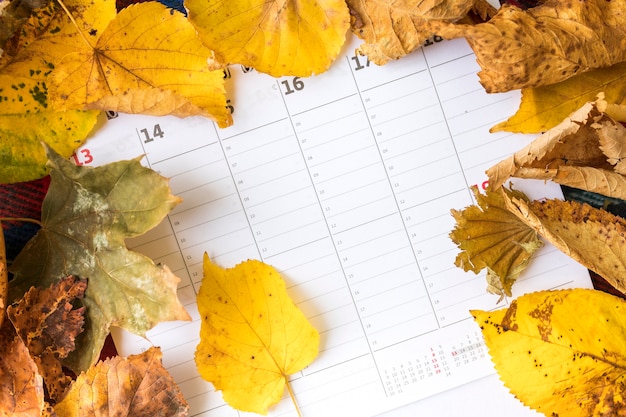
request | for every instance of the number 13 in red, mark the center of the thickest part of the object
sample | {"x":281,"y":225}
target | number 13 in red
{"x":83,"y":157}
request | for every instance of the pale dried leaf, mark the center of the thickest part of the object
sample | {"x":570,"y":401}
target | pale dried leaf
{"x":612,"y":138}
{"x":572,"y":143}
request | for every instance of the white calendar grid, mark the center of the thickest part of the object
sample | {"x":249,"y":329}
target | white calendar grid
{"x":344,"y":182}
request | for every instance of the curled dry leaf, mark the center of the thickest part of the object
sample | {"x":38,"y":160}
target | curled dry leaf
{"x":252,"y":336}
{"x":300,"y":37}
{"x":21,"y":386}
{"x":392,"y":29}
{"x":491,"y":237}
{"x":545,"y":44}
{"x":4,"y":276}
{"x":561,"y":352}
{"x":135,"y":386}
{"x":48,"y":324}
{"x":569,"y":154}
{"x":612,"y":138}
{"x":593,"y":237}
{"x":87,"y":214}
{"x":544,"y":107}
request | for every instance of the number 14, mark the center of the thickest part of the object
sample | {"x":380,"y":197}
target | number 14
{"x":156,"y":133}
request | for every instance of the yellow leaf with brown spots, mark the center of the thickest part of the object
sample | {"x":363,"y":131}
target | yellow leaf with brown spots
{"x":545,"y":44}
{"x":252,"y":335}
{"x":392,"y":29}
{"x":277,"y":37}
{"x":561,"y":352}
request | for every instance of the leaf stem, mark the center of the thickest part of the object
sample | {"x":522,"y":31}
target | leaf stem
{"x":80,"y":32}
{"x":293,"y":397}
{"x":20,"y":219}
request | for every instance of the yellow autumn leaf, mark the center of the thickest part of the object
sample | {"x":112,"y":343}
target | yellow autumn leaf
{"x":545,"y":44}
{"x":26,"y":117}
{"x":544,"y":107}
{"x":126,"y":62}
{"x":491,"y":237}
{"x":562,"y":353}
{"x":392,"y":29}
{"x":252,"y":335}
{"x":278,"y":37}
{"x":593,"y":237}
{"x":569,"y":154}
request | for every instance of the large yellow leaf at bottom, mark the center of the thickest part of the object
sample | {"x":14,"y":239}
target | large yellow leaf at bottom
{"x":561,"y":352}
{"x":278,"y":37}
{"x":252,"y":335}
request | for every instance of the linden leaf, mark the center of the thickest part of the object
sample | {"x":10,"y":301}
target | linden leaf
{"x":561,"y":352}
{"x":392,"y":29}
{"x":252,"y":336}
{"x":86,"y":215}
{"x":491,"y":237}
{"x":569,"y":154}
{"x":279,"y":38}
{"x":135,"y":386}
{"x":48,"y":324}
{"x":593,"y":237}
{"x":542,"y":108}
{"x":546,"y":44}
{"x":21,"y":386}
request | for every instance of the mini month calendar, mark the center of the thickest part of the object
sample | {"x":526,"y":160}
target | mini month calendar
{"x":344,"y":182}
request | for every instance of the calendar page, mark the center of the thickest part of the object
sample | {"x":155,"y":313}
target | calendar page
{"x":344,"y":182}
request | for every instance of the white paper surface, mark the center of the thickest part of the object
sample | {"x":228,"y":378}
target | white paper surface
{"x":344,"y":182}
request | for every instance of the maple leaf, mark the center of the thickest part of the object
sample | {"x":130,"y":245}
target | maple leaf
{"x":569,"y":154}
{"x":593,"y":237}
{"x":128,"y":61}
{"x":561,"y":352}
{"x":252,"y":335}
{"x":21,"y":386}
{"x":48,"y":324}
{"x":86,"y":215}
{"x":135,"y":386}
{"x":279,"y":38}
{"x":545,"y":44}
{"x":542,"y":108}
{"x":392,"y":29}
{"x":491,"y":237}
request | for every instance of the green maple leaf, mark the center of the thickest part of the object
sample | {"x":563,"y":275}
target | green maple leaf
{"x":86,"y":216}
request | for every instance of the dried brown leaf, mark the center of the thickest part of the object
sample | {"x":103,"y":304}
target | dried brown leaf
{"x":48,"y":324}
{"x":545,"y":44}
{"x":135,"y":386}
{"x":21,"y":386}
{"x":392,"y":29}
{"x":612,"y":138}
{"x":569,"y":154}
{"x":593,"y":237}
